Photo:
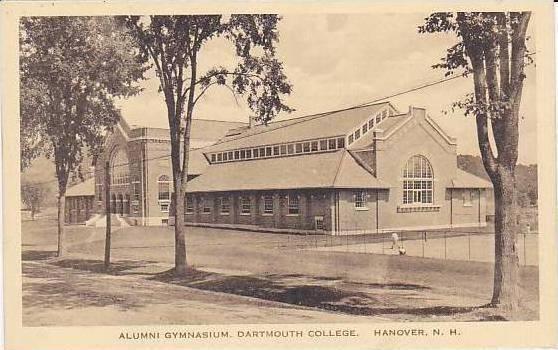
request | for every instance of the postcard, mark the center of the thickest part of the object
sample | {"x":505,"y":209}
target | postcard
{"x":364,"y":175}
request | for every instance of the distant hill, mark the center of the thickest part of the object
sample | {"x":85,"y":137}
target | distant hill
{"x":526,"y":176}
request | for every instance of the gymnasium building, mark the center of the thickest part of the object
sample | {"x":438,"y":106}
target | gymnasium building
{"x":360,"y":170}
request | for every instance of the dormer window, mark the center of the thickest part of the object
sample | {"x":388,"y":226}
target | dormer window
{"x":357,"y":134}
{"x":213,"y":158}
{"x":323,"y":145}
{"x":351,"y":139}
{"x":364,"y":128}
{"x":332,"y":144}
{"x":341,"y":142}
{"x":299,"y":148}
{"x":371,"y":123}
{"x":276,"y":150}
{"x":219,"y":157}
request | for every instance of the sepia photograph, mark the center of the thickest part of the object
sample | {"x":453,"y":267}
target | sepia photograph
{"x":274,"y":168}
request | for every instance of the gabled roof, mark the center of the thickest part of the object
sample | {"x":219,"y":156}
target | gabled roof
{"x":465,"y":179}
{"x":329,"y":124}
{"x":336,"y":169}
{"x":85,"y":188}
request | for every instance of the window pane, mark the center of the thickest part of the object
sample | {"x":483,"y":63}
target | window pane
{"x":276,"y":150}
{"x":299,"y":148}
{"x":365,"y":128}
{"x":323,"y":145}
{"x":248,"y":153}
{"x":219,"y":157}
{"x":306,"y":146}
{"x":341,"y":142}
{"x":332,"y":144}
{"x":314,"y":146}
{"x":290,"y":149}
{"x":357,"y":134}
{"x":268,"y":151}
{"x":351,"y":138}
{"x":283,"y":149}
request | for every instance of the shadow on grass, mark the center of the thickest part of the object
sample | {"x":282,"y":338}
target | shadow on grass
{"x":35,"y":255}
{"x":308,"y":291}
{"x":56,"y":289}
{"x":121,"y":267}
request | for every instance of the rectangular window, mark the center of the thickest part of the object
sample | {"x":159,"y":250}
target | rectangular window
{"x":245,"y":206}
{"x":306,"y":147}
{"x":378,"y":118}
{"x":219,"y":157}
{"x":299,"y":148}
{"x":371,"y":123}
{"x":293,"y":204}
{"x":268,"y":204}
{"x":255,"y":153}
{"x":136,"y":188}
{"x":165,"y":207}
{"x":230,"y":155}
{"x":290,"y":149}
{"x":357,"y":134}
{"x":262,"y":152}
{"x":224,"y":205}
{"x":189,"y":205}
{"x":364,"y":128}
{"x":323,"y":145}
{"x":384,"y":114}
{"x":276,"y":150}
{"x":225,"y":158}
{"x":268,"y":151}
{"x":206,"y":207}
{"x":332,"y":144}
{"x":236,"y":154}
{"x":212,"y":157}
{"x":360,"y":199}
{"x":283,"y":149}
{"x":351,"y":139}
{"x":341,"y":142}
{"x":242,"y":154}
{"x":314,"y":146}
{"x":248,"y":154}
{"x":467,"y":201}
{"x":99,"y":192}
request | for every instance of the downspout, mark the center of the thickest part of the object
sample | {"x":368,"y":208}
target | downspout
{"x":479,"y":207}
{"x":451,"y":207}
{"x":377,"y":213}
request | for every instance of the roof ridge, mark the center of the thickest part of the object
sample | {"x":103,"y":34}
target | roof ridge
{"x":314,"y":116}
{"x":136,"y":126}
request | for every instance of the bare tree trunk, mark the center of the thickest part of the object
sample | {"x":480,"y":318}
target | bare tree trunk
{"x":61,"y":228}
{"x":180,"y":265}
{"x":506,"y":267}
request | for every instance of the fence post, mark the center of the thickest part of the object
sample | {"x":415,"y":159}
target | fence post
{"x":524,"y":249}
{"x":469,"y":239}
{"x":423,"y":239}
{"x":445,"y":245}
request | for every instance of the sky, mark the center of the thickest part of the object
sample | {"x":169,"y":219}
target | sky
{"x":335,"y":61}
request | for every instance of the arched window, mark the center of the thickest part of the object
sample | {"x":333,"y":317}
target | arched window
{"x":119,"y":167}
{"x":418,"y":181}
{"x":164,"y":188}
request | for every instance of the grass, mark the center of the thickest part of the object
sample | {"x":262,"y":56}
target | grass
{"x":275,"y":267}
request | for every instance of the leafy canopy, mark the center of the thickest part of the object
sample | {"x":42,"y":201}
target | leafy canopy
{"x":72,"y":69}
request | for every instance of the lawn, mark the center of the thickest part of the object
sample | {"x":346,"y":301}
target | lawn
{"x":281,"y":268}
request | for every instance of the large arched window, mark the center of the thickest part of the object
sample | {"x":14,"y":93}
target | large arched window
{"x":119,"y":167}
{"x":418,"y":181}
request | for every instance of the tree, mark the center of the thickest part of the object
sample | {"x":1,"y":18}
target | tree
{"x":492,"y":47}
{"x":174,"y":44}
{"x":33,"y":195}
{"x":71,"y":70}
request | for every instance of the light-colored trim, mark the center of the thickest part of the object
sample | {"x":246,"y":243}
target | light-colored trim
{"x":362,"y":208}
{"x":266,"y":214}
{"x":245,"y":214}
{"x":292,"y":215}
{"x":439,"y":129}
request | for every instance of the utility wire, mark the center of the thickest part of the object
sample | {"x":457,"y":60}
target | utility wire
{"x":303,"y":119}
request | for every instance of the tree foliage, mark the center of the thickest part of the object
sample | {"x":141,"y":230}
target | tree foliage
{"x":71,"y":70}
{"x":33,"y":195}
{"x":174,"y":45}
